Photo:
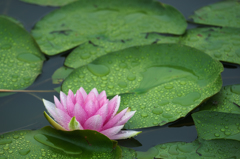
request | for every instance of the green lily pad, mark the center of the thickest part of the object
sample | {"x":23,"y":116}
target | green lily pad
{"x":54,"y":3}
{"x":128,"y":153}
{"x":217,"y":125}
{"x":81,"y":21}
{"x":225,"y":13}
{"x":20,"y":58}
{"x":163,"y":82}
{"x":227,"y":100}
{"x":60,"y":74}
{"x":88,"y":52}
{"x":12,"y":20}
{"x":198,"y":149}
{"x":49,"y":142}
{"x":221,"y":43}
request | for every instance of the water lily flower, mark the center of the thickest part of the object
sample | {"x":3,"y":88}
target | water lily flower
{"x":91,"y":111}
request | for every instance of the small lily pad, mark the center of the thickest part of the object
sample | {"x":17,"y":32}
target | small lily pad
{"x":58,"y":144}
{"x":225,"y":13}
{"x":20,"y":58}
{"x":163,"y":82}
{"x":60,"y":74}
{"x":88,"y":52}
{"x":227,"y":100}
{"x":54,"y":3}
{"x":217,"y":125}
{"x":83,"y":20}
{"x":221,"y":43}
{"x":198,"y":149}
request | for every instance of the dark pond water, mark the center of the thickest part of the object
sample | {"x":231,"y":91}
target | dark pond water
{"x":25,"y":110}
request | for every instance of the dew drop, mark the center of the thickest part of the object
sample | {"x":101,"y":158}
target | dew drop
{"x":15,"y":136}
{"x":217,"y":54}
{"x":144,"y":114}
{"x":216,"y":134}
{"x":157,"y":111}
{"x":131,"y":77}
{"x":6,"y":46}
{"x":235,"y":89}
{"x":169,"y":86}
{"x":5,"y":141}
{"x":122,"y":84}
{"x":85,"y":56}
{"x":24,"y":152}
{"x":173,"y":150}
{"x":98,"y":70}
{"x":227,"y":133}
{"x":122,"y":65}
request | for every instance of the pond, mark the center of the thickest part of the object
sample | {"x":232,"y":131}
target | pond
{"x":25,"y":110}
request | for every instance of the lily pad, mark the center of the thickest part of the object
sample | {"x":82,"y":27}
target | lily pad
{"x":221,"y":43}
{"x":163,"y":82}
{"x":57,"y":144}
{"x":217,"y":125}
{"x":227,"y":100}
{"x":225,"y":13}
{"x":20,"y":58}
{"x":198,"y":149}
{"x":81,"y":21}
{"x":128,"y":153}
{"x":54,"y":3}
{"x":88,"y":52}
{"x":60,"y":74}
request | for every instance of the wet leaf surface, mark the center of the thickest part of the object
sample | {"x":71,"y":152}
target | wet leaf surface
{"x":217,"y":125}
{"x":221,"y":43}
{"x":60,"y":74}
{"x":54,"y":3}
{"x":21,"y":60}
{"x":160,"y":84}
{"x":225,"y":13}
{"x":58,"y":144}
{"x":81,"y":21}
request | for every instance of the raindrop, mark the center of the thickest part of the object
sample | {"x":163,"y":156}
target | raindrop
{"x":122,"y":84}
{"x":122,"y":65}
{"x":216,"y":134}
{"x":24,"y":152}
{"x":5,"y":141}
{"x":6,"y":46}
{"x":131,"y":77}
{"x":217,"y":54}
{"x":85,"y":56}
{"x":169,"y":86}
{"x":98,"y":70}
{"x":157,"y":111}
{"x":144,"y":114}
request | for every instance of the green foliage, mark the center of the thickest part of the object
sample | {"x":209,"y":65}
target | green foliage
{"x":163,"y":82}
{"x":197,"y":149}
{"x":224,"y":13}
{"x":227,"y":100}
{"x":54,"y":3}
{"x":217,"y":125}
{"x":60,"y":74}
{"x":221,"y":43}
{"x":49,"y":142}
{"x":81,"y":21}
{"x":20,"y":58}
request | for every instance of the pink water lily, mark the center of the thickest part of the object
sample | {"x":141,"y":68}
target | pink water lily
{"x":91,"y":111}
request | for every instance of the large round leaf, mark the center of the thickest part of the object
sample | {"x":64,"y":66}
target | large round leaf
{"x":54,"y":3}
{"x":217,"y":125}
{"x":20,"y":58}
{"x":224,"y":13}
{"x":83,"y":20}
{"x":227,"y":100}
{"x":88,"y":52}
{"x":197,"y":149}
{"x":48,"y":142}
{"x":163,"y":82}
{"x":221,"y":43}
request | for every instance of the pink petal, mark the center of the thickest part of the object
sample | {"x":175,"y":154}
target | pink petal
{"x":79,"y":98}
{"x":51,"y":108}
{"x":101,"y":95}
{"x":71,"y":95}
{"x":90,"y":108}
{"x":115,"y":119}
{"x":62,"y":118}
{"x":58,"y":103}
{"x":126,"y":117}
{"x":112,"y":131}
{"x":103,"y":101}
{"x":124,"y":135}
{"x":80,"y":114}
{"x":91,"y":96}
{"x":94,"y":123}
{"x":63,"y":99}
{"x":103,"y":112}
{"x":70,"y":105}
{"x":83,"y":92}
{"x":94,"y":90}
{"x":113,"y":106}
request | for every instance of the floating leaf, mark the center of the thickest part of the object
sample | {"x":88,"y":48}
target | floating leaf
{"x":163,"y":82}
{"x":88,"y":52}
{"x":221,"y":43}
{"x":150,"y":154}
{"x":54,"y":3}
{"x":227,"y":100}
{"x":21,"y":60}
{"x":57,"y":144}
{"x":128,"y":153}
{"x":224,"y":13}
{"x":197,"y":149}
{"x":60,"y":74}
{"x":217,"y":125}
{"x":84,"y":20}
{"x":12,"y":20}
